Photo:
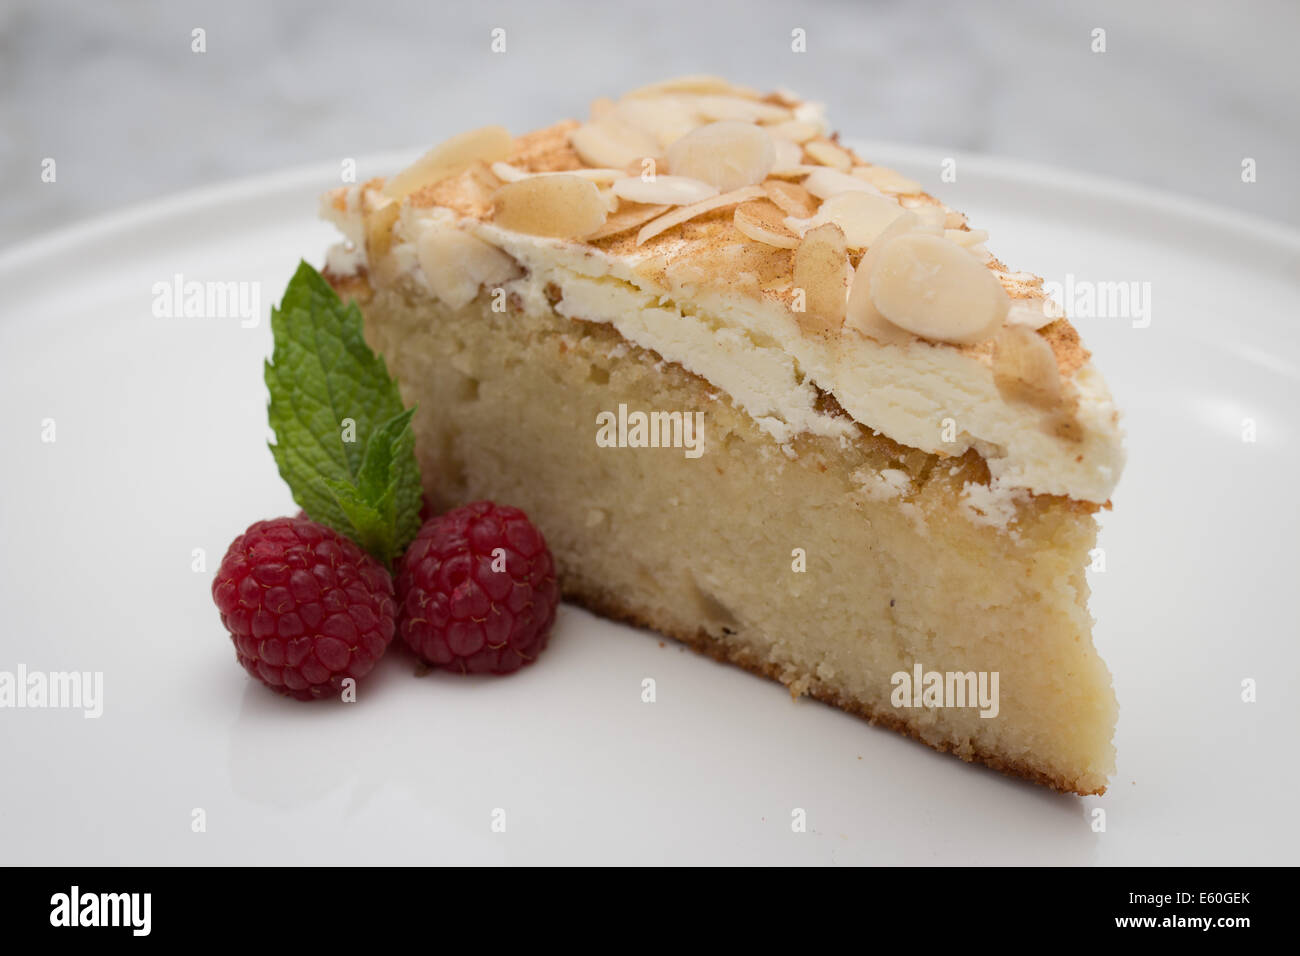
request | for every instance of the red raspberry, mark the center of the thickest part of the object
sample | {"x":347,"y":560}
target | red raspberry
{"x":305,"y":606}
{"x":455,"y":611}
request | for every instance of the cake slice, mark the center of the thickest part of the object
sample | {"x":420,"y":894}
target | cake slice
{"x":763,"y":397}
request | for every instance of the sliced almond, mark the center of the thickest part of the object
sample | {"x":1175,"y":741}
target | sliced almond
{"x":664,"y":190}
{"x":793,"y":199}
{"x":1024,"y":367}
{"x":665,"y":118}
{"x":787,"y":154}
{"x":933,"y":288}
{"x":1034,"y":313}
{"x":762,"y":221}
{"x":629,"y":216}
{"x":487,"y":143}
{"x":694,"y":83}
{"x":601,"y":106}
{"x":821,"y":271}
{"x":379,"y":213}
{"x":932,"y":218}
{"x":811,"y":112}
{"x":739,"y":108}
{"x":611,"y":144}
{"x":826,"y":153}
{"x":825,"y":182}
{"x":860,"y":215}
{"x":966,"y":237}
{"x":512,"y":174}
{"x":728,"y":154}
{"x":796,"y":131}
{"x":687,"y":213}
{"x":863,"y":317}
{"x":456,"y":264}
{"x":793,"y":172}
{"x":888,"y":181}
{"x":564,"y":207}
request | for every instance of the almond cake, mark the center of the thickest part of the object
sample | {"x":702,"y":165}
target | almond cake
{"x":887,"y":501}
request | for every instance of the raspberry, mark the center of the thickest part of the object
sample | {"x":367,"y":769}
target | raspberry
{"x":305,"y":606}
{"x":455,"y":611}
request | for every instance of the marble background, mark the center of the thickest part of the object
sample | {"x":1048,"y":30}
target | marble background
{"x":112,"y":91}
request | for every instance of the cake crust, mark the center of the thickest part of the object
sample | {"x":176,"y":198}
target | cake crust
{"x":702,"y":642}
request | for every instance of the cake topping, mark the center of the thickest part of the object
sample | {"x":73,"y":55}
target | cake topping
{"x":728,"y":154}
{"x":861,"y":216}
{"x":826,"y":153}
{"x":825,"y":183}
{"x":746,"y":207}
{"x":932,"y":287}
{"x":888,"y":181}
{"x":1024,"y":367}
{"x":763,"y":221}
{"x":486,"y":144}
{"x":793,"y":199}
{"x":456,"y":263}
{"x":821,"y":272}
{"x":665,"y":190}
{"x":687,"y":213}
{"x":562,"y":206}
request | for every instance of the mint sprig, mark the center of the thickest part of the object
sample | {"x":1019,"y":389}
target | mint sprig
{"x":327,"y":387}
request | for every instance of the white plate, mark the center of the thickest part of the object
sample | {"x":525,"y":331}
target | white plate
{"x":159,"y":427}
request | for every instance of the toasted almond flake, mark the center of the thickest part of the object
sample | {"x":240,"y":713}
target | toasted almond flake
{"x":796,"y":131}
{"x":888,"y":181}
{"x":826,"y":153}
{"x":1024,"y":367}
{"x":860,"y":215}
{"x":863,"y":317}
{"x":727,"y":154}
{"x":378,"y":214}
{"x":933,"y":288}
{"x":812,"y":112}
{"x":512,"y":174}
{"x":824,"y":182}
{"x":664,"y":190}
{"x":966,"y":238}
{"x":738,"y":108}
{"x":761,"y":221}
{"x":456,"y":264}
{"x":686,"y":213}
{"x":821,"y":271}
{"x":665,"y":119}
{"x":1034,"y":313}
{"x":932,"y":218}
{"x":608,"y":143}
{"x":787,"y":154}
{"x":793,"y":172}
{"x":793,"y":199}
{"x":954,"y":220}
{"x":629,"y":216}
{"x":564,"y":207}
{"x":487,"y":143}
{"x":702,"y":83}
{"x":610,"y":198}
{"x":601,"y":106}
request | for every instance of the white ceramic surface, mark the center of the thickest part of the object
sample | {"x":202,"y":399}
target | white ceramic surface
{"x":159,"y":429}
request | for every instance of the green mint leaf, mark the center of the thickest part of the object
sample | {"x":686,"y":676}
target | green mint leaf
{"x":343,"y":441}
